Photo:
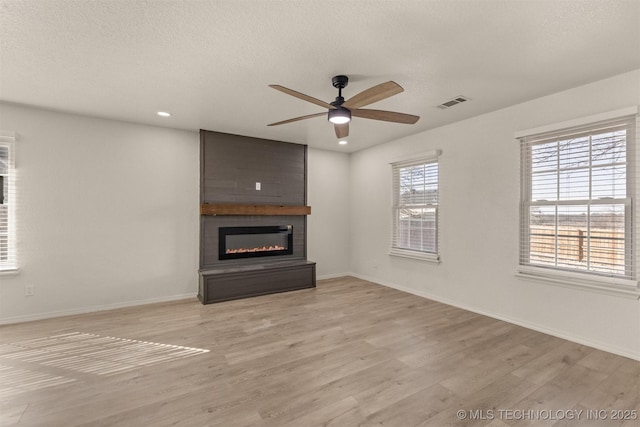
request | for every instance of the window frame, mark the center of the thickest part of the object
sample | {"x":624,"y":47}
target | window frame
{"x":430,"y":157}
{"x":9,"y":266}
{"x":615,"y":284}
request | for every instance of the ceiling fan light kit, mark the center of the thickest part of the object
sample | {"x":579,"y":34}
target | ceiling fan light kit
{"x":339,"y":116}
{"x":339,"y":112}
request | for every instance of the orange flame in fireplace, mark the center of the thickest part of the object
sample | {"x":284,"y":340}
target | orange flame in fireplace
{"x":259,"y":249}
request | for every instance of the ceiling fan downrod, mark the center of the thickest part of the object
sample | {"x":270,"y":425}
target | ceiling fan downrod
{"x":339,"y":82}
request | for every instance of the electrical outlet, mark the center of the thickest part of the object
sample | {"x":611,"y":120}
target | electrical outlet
{"x":29,"y":291}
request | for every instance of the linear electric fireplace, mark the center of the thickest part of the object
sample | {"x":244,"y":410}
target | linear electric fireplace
{"x":249,"y":242}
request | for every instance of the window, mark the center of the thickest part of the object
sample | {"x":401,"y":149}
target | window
{"x":415,"y":208}
{"x":577,"y":199}
{"x":7,"y":197}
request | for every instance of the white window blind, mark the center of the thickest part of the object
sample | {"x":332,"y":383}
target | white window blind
{"x":577,"y":199}
{"x":7,"y":199}
{"x":415,"y":208}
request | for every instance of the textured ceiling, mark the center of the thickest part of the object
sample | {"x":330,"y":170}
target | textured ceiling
{"x":209,"y":63}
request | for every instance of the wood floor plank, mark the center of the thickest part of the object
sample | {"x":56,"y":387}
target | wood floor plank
{"x":416,"y":408}
{"x":347,"y":353}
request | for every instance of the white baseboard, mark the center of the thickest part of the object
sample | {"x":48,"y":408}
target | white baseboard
{"x":82,"y":310}
{"x":529,"y":325}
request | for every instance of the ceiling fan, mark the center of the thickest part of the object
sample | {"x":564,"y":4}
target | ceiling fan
{"x":341,"y":111}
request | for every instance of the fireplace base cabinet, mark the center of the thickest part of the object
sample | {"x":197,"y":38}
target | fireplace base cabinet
{"x":229,"y":283}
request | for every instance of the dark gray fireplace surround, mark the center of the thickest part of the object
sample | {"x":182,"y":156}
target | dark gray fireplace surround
{"x":250,"y":242}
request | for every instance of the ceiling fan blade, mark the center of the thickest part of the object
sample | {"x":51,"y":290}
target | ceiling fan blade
{"x":342,"y":131}
{"x":373,"y":94}
{"x":302,"y":96}
{"x":387,"y":116}
{"x":295,"y":119}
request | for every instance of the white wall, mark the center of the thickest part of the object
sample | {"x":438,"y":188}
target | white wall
{"x":108,"y":213}
{"x":328,"y":224}
{"x":479,"y":175}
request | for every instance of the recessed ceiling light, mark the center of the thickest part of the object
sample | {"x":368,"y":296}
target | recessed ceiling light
{"x":164,"y":114}
{"x":343,"y":142}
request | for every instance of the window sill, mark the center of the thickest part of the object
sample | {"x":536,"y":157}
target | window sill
{"x":624,"y":288}
{"x":422,"y":256}
{"x":9,"y":272}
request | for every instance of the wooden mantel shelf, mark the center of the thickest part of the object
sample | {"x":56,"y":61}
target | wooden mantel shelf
{"x":233,"y":209}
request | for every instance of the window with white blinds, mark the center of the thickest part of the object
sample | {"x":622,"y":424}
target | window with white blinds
{"x":577,"y":199}
{"x":7,"y":198}
{"x":415,"y":208}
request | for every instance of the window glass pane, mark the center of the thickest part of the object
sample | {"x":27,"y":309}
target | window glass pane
{"x":609,"y":181}
{"x":404,"y":177}
{"x":4,"y":206}
{"x":609,"y":148}
{"x":4,"y":160}
{"x":419,"y":184}
{"x":405,"y":196}
{"x":4,"y":233}
{"x":574,"y":184}
{"x":544,"y":156}
{"x":607,"y":239}
{"x":572,"y":236}
{"x":544,"y":186}
{"x":574,"y":153}
{"x":542,"y":231}
{"x":416,"y":229}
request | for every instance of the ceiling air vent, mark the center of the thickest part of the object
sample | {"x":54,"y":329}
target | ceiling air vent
{"x":455,"y":101}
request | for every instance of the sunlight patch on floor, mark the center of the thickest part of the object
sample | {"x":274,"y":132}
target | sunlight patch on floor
{"x":17,"y":380}
{"x":80,"y":353}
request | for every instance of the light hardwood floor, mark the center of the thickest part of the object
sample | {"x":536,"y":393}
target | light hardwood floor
{"x":348,"y":353}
